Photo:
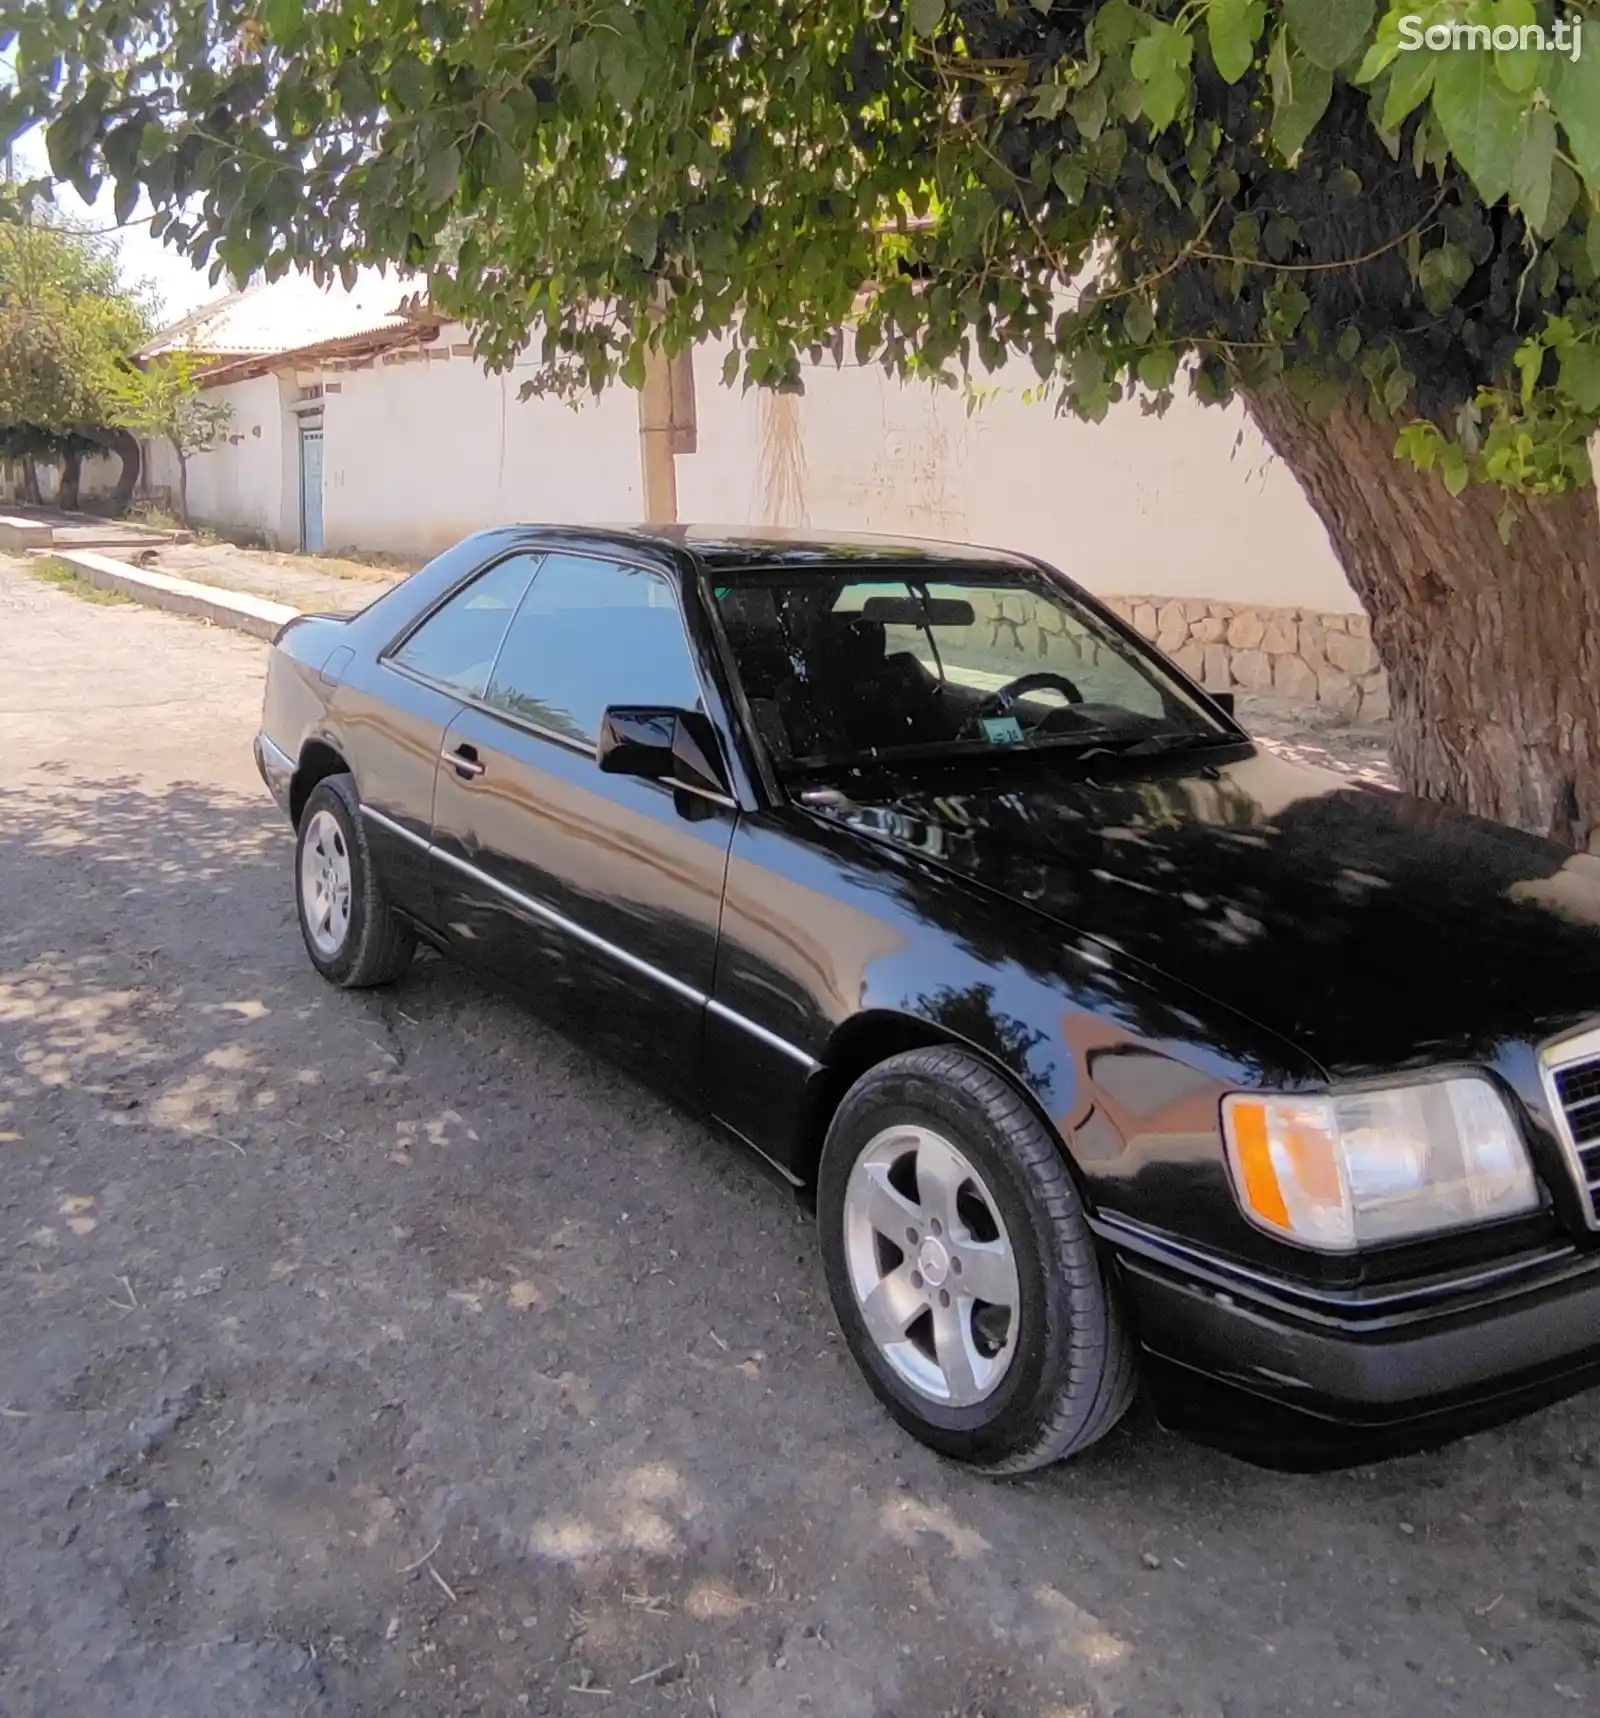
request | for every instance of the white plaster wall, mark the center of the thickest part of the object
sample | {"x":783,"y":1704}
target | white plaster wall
{"x":1192,"y":504}
{"x":419,"y":452}
{"x":97,"y":478}
{"x":247,"y":481}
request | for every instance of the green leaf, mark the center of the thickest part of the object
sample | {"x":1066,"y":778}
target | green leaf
{"x":1409,"y":83}
{"x":1089,"y":110}
{"x":1519,"y":67}
{"x":1234,"y":28}
{"x":1387,"y":46}
{"x":1592,"y":240}
{"x":1564,"y":194}
{"x":641,"y":235}
{"x":1157,"y":169}
{"x":1442,"y":273}
{"x":1482,"y":120}
{"x":409,"y":83}
{"x":1419,"y":442}
{"x":1575,"y":96}
{"x":1536,"y":157}
{"x":283,"y":18}
{"x":1453,"y":465}
{"x":441,"y":175}
{"x":67,"y":141}
{"x":1301,"y":91}
{"x":1529,"y":359}
{"x":1072,"y":178}
{"x":925,"y":15}
{"x":1160,"y":66}
{"x":625,"y":71}
{"x":1138,"y":321}
{"x":1116,"y":26}
{"x":1580,"y":376}
{"x":1157,"y":368}
{"x":1328,"y":32}
{"x":125,"y":201}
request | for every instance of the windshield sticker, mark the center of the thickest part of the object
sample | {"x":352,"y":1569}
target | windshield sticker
{"x":1002,"y":730}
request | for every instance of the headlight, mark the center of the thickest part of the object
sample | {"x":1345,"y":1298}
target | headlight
{"x":1346,"y":1171}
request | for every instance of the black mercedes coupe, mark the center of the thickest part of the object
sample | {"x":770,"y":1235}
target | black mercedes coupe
{"x":1116,"y":1051}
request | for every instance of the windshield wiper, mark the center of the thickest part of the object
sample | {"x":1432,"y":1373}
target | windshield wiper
{"x":1088,"y":744}
{"x":1155,"y":745}
{"x":940,"y":751}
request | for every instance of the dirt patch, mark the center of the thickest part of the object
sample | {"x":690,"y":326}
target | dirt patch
{"x":368,"y":1355}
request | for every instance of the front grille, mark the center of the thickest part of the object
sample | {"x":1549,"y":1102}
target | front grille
{"x":1572,"y":1077}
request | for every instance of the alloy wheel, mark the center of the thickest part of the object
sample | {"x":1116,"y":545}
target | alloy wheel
{"x":931,"y":1266}
{"x":325,"y":884}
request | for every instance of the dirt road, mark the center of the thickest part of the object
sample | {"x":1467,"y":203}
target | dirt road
{"x":384,"y":1354}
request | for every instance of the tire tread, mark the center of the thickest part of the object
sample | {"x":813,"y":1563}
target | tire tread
{"x":385,"y":946}
{"x":1097,"y":1385}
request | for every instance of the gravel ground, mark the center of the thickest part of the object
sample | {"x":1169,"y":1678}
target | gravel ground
{"x":388,"y":1353}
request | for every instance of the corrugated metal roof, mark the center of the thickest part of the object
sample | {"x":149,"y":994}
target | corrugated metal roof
{"x":287,"y":315}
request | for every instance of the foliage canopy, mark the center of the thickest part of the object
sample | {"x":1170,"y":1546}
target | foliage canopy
{"x":67,"y":331}
{"x":1287,"y":193}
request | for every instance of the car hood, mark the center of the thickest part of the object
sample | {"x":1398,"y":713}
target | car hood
{"x":1372,"y":929}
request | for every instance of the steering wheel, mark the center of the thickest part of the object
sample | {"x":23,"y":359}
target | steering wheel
{"x":1042,"y":679}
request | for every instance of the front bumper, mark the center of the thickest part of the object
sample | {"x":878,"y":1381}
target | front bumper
{"x":277,"y":771}
{"x":1293,"y":1379}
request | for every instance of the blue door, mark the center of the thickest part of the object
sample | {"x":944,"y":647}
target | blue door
{"x":311,"y":488}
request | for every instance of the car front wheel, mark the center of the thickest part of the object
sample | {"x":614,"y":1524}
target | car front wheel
{"x":350,"y":931}
{"x":962,"y":1268}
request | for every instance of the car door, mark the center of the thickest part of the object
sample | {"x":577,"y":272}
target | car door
{"x":394,"y":713}
{"x":598,"y":895}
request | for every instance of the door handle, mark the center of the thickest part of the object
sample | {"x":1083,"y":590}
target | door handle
{"x":464,"y":761}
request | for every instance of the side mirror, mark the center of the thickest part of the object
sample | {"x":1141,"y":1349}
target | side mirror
{"x":657,"y":743}
{"x":1223,"y":701}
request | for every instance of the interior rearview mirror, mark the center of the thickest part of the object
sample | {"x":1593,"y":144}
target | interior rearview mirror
{"x":657,"y":743}
{"x":1223,"y":701}
{"x":919,"y":611}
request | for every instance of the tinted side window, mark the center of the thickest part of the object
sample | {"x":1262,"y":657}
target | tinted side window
{"x":458,"y":643}
{"x":588,"y":634}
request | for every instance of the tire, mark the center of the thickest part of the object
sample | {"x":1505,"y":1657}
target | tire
{"x":365,"y":944}
{"x":1040,"y":1381}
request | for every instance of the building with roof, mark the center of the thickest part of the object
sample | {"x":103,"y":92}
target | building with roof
{"x":264,"y":324}
{"x":360,"y":420}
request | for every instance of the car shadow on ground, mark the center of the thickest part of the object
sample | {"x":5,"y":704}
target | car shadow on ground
{"x":369,"y":1349}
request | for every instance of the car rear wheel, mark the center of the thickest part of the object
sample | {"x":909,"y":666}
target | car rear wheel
{"x":351,"y":933}
{"x":962,"y":1268}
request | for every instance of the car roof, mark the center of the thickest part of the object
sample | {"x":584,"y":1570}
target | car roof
{"x":727,"y":548}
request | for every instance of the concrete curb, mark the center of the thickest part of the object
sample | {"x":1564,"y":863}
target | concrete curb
{"x":233,"y":609}
{"x":21,"y":536}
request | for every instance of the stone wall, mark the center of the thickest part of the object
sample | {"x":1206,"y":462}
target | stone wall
{"x":1292,"y":653}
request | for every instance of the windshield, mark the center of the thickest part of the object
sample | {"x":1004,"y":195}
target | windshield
{"x":849,"y":667}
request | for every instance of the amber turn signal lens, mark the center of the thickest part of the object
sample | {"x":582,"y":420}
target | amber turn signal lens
{"x":1354,"y":1168}
{"x":1287,"y":1163}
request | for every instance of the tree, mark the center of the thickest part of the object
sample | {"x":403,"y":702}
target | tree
{"x":165,"y":399}
{"x":1379,"y":230}
{"x":68,"y":333}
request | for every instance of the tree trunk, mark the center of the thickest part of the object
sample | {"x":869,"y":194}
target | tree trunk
{"x":1492,"y":651}
{"x":126,"y":448}
{"x":71,"y":475}
{"x":30,"y":482}
{"x":183,"y":482}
